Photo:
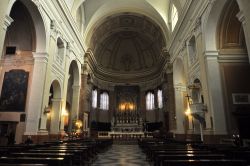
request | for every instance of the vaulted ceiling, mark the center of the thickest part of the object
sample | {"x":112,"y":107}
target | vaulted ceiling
{"x":126,"y":38}
{"x":127,"y":43}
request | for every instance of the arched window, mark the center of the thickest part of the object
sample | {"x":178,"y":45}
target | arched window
{"x":174,"y":16}
{"x":150,"y":101}
{"x":94,"y":98}
{"x":159,"y":98}
{"x":104,"y":101}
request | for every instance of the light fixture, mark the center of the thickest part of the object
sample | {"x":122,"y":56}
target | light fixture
{"x":78,"y":123}
{"x":46,"y":110}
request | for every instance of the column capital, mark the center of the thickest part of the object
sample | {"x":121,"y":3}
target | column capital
{"x":211,"y":54}
{"x":41,"y":57}
{"x":241,"y":17}
{"x":7,"y":21}
{"x":57,"y":100}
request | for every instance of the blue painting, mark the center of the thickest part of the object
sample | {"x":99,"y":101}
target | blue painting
{"x":14,"y":91}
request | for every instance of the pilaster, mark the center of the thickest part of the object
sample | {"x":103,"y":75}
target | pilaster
{"x":35,"y":107}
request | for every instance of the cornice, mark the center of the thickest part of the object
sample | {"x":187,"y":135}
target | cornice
{"x":121,"y":77}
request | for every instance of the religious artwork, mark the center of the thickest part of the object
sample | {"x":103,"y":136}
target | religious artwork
{"x":127,"y":98}
{"x":14,"y":91}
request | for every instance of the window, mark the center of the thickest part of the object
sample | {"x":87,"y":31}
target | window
{"x":159,"y":98}
{"x":104,"y":101}
{"x":174,"y":16}
{"x":150,"y":101}
{"x":94,"y":98}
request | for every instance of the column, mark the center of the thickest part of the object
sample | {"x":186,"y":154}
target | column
{"x":56,"y":116}
{"x":203,"y":72}
{"x":244,"y":18}
{"x":216,"y":103}
{"x":75,"y":102}
{"x":170,"y":103}
{"x":180,"y":90}
{"x":35,"y":108}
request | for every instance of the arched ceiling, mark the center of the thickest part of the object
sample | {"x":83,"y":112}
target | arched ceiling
{"x":127,"y":43}
{"x":125,"y":37}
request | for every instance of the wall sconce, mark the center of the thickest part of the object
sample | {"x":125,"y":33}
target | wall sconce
{"x":46,"y":110}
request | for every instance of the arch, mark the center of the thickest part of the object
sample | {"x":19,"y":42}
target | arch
{"x":74,"y":68}
{"x":53,"y":118}
{"x":38,"y":22}
{"x":110,"y":8}
{"x":211,"y":24}
{"x":230,"y":30}
{"x":21,"y":33}
{"x":56,"y":87}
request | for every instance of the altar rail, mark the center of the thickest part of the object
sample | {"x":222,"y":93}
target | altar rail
{"x":124,"y":135}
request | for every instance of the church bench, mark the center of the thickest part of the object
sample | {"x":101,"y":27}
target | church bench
{"x":33,"y":160}
{"x":239,"y":154}
{"x":162,"y":152}
{"x":80,"y":156}
{"x":89,"y":151}
{"x":68,"y":157}
{"x":202,"y":162}
{"x":149,"y":151}
{"x":158,"y":160}
{"x":5,"y":164}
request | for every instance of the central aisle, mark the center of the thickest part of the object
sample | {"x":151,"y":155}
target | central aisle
{"x":122,"y":155}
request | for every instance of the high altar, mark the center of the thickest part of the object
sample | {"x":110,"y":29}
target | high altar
{"x":127,"y":116}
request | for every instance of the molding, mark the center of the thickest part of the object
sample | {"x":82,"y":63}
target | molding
{"x":233,"y":58}
{"x":7,"y":21}
{"x":241,"y":17}
{"x":41,"y":57}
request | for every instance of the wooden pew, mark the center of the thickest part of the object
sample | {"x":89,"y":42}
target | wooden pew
{"x":158,"y":160}
{"x":4,"y":164}
{"x":33,"y":160}
{"x":204,"y":163}
{"x":68,"y":157}
{"x":79,"y":155}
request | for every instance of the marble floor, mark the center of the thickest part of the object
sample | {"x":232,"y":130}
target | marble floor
{"x":122,"y":155}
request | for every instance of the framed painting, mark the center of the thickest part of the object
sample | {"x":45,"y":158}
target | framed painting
{"x":14,"y":91}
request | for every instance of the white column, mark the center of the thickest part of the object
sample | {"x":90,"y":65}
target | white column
{"x":179,"y":108}
{"x":36,"y":89}
{"x":56,"y":116}
{"x":75,"y":103}
{"x":216,"y":103}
